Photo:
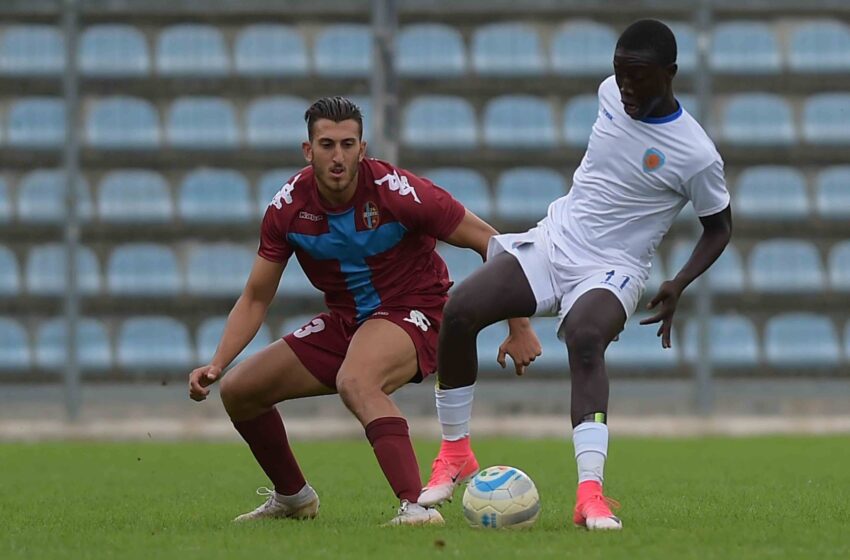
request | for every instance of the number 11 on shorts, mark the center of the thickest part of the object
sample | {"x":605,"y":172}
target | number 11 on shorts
{"x":610,"y":275}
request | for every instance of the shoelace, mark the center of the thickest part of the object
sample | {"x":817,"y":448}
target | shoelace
{"x":403,"y":508}
{"x":269,"y":494}
{"x":610,"y":502}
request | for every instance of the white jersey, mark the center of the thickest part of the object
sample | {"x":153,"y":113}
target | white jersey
{"x":634,"y":179}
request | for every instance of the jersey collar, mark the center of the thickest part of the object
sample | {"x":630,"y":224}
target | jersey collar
{"x":662,"y":120}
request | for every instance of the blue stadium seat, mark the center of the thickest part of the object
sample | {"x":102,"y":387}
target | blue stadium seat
{"x":507,"y":49}
{"x":215,"y":195}
{"x":122,"y":123}
{"x":554,"y":358}
{"x":430,"y":50}
{"x":839,"y":266}
{"x":583,"y":48}
{"x":14,"y":346}
{"x":31,"y":50}
{"x":41,"y":197}
{"x":154,"y":343}
{"x":524,"y":193}
{"x":343,"y":51}
{"x":726,"y":275}
{"x":758,"y":119}
{"x":209,"y":334}
{"x":820,"y":47}
{"x":786,"y":265}
{"x":826,"y":119}
{"x":801,"y":341}
{"x":36,"y":123}
{"x":580,"y":113}
{"x":488,"y":344}
{"x":191,"y":50}
{"x":94,"y":353}
{"x":295,"y":283}
{"x":270,"y":50}
{"x":46,"y":270}
{"x":686,"y":47}
{"x":439,"y":122}
{"x":639,"y":348}
{"x":10,"y":273}
{"x":743,"y":47}
{"x":114,"y":50}
{"x":519,"y":121}
{"x":832,"y":192}
{"x":732,"y":342}
{"x":218,"y":269}
{"x":202,"y":123}
{"x":143,"y":269}
{"x":467,"y":186}
{"x":276,"y":122}
{"x":270,"y":183}
{"x":134,"y":196}
{"x":5,"y":202}
{"x":460,"y":262}
{"x":772,"y":192}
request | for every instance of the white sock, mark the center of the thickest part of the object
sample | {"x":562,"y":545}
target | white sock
{"x":591,"y":445}
{"x":454,"y":409}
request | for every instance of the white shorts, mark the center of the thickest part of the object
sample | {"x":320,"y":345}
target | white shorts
{"x":558,"y":286}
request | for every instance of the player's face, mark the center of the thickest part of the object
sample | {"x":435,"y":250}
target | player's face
{"x":334,"y":153}
{"x":643,"y":82}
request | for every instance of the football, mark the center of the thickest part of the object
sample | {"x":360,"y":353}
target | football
{"x":501,"y":497}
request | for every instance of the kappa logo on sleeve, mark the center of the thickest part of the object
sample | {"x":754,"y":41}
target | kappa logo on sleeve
{"x":285,"y":193}
{"x":398,"y":184}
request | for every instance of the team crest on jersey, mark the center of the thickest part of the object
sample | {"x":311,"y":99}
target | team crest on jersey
{"x":653,"y":160}
{"x":371,"y":215}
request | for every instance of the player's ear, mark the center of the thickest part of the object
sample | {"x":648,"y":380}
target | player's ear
{"x":671,"y":70}
{"x":307,"y":148}
{"x":362,"y":150}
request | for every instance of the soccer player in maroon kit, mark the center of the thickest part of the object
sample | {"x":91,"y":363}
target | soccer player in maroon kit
{"x":364,"y":232}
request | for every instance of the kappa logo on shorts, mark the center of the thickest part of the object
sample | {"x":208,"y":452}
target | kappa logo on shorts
{"x":419,"y":319}
{"x":653,"y":160}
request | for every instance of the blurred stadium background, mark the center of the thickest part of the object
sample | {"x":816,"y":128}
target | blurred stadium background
{"x":180,"y":119}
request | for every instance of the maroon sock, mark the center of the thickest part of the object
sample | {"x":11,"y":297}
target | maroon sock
{"x":266,"y":437}
{"x":391,"y":442}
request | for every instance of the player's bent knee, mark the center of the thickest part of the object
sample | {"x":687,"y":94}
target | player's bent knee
{"x":587,"y":344}
{"x":460,"y":316}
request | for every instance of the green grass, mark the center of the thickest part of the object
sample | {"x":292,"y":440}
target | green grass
{"x":705,"y":498}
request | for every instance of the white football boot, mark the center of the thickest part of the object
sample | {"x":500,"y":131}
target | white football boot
{"x":414,"y":514}
{"x":303,"y":505}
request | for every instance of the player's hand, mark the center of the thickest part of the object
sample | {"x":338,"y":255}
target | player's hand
{"x":200,"y":379}
{"x":668,"y":297}
{"x":521,"y":345}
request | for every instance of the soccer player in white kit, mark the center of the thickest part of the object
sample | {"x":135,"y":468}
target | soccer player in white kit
{"x":588,"y":260}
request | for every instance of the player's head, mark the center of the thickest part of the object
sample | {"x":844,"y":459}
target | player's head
{"x":644,"y":66}
{"x":335,"y":146}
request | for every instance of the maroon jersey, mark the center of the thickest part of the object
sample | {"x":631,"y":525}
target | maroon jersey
{"x":377,"y":250}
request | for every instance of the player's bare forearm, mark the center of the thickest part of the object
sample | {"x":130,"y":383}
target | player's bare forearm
{"x":717,"y":231}
{"x":472,"y":233}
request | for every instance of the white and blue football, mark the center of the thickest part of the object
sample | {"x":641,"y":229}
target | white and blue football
{"x":501,"y":497}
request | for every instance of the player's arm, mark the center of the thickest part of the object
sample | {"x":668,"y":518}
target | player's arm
{"x":472,"y":233}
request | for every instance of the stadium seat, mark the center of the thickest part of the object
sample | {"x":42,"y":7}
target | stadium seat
{"x":772,"y":192}
{"x":439,"y":122}
{"x":31,"y":50}
{"x":743,"y":47}
{"x":801,"y":341}
{"x":732,"y":342}
{"x":686,"y":47}
{"x":819,"y":47}
{"x":270,"y":183}
{"x":113,"y":50}
{"x":460,"y":262}
{"x":36,"y":123}
{"x":14,"y":346}
{"x":41,"y":197}
{"x":202,"y":123}
{"x":839,"y":266}
{"x":826,"y":119}
{"x":554,"y":358}
{"x":276,"y":122}
{"x":218,"y":269}
{"x":583,"y":48}
{"x":215,"y":195}
{"x":191,"y":50}
{"x":726,"y":275}
{"x":640,"y":349}
{"x":364,"y":102}
{"x":519,"y":121}
{"x":758,"y":119}
{"x":134,"y":196}
{"x":46,"y":270}
{"x":143,"y":269}
{"x":94,"y":352}
{"x":488,"y":344}
{"x":5,"y":202}
{"x":786,"y":265}
{"x":10,"y":273}
{"x":579,"y":115}
{"x":343,"y":51}
{"x":270,"y":50}
{"x":430,"y":50}
{"x":295,"y":283}
{"x":524,"y":193}
{"x":466,"y":185}
{"x":832,"y":193}
{"x":122,"y":123}
{"x":507,"y":49}
{"x":209,"y":334}
{"x":168,"y":338}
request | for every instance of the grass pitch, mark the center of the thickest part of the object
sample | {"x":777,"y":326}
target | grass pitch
{"x":703,"y":498}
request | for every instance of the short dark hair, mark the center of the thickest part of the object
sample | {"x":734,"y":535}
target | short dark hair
{"x":336,"y":108}
{"x":650,"y":35}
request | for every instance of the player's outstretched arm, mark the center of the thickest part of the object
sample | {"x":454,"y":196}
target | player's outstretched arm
{"x":244,"y":321}
{"x":716,"y":233}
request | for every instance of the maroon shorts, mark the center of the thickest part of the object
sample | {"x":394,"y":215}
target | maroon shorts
{"x":322,"y":343}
